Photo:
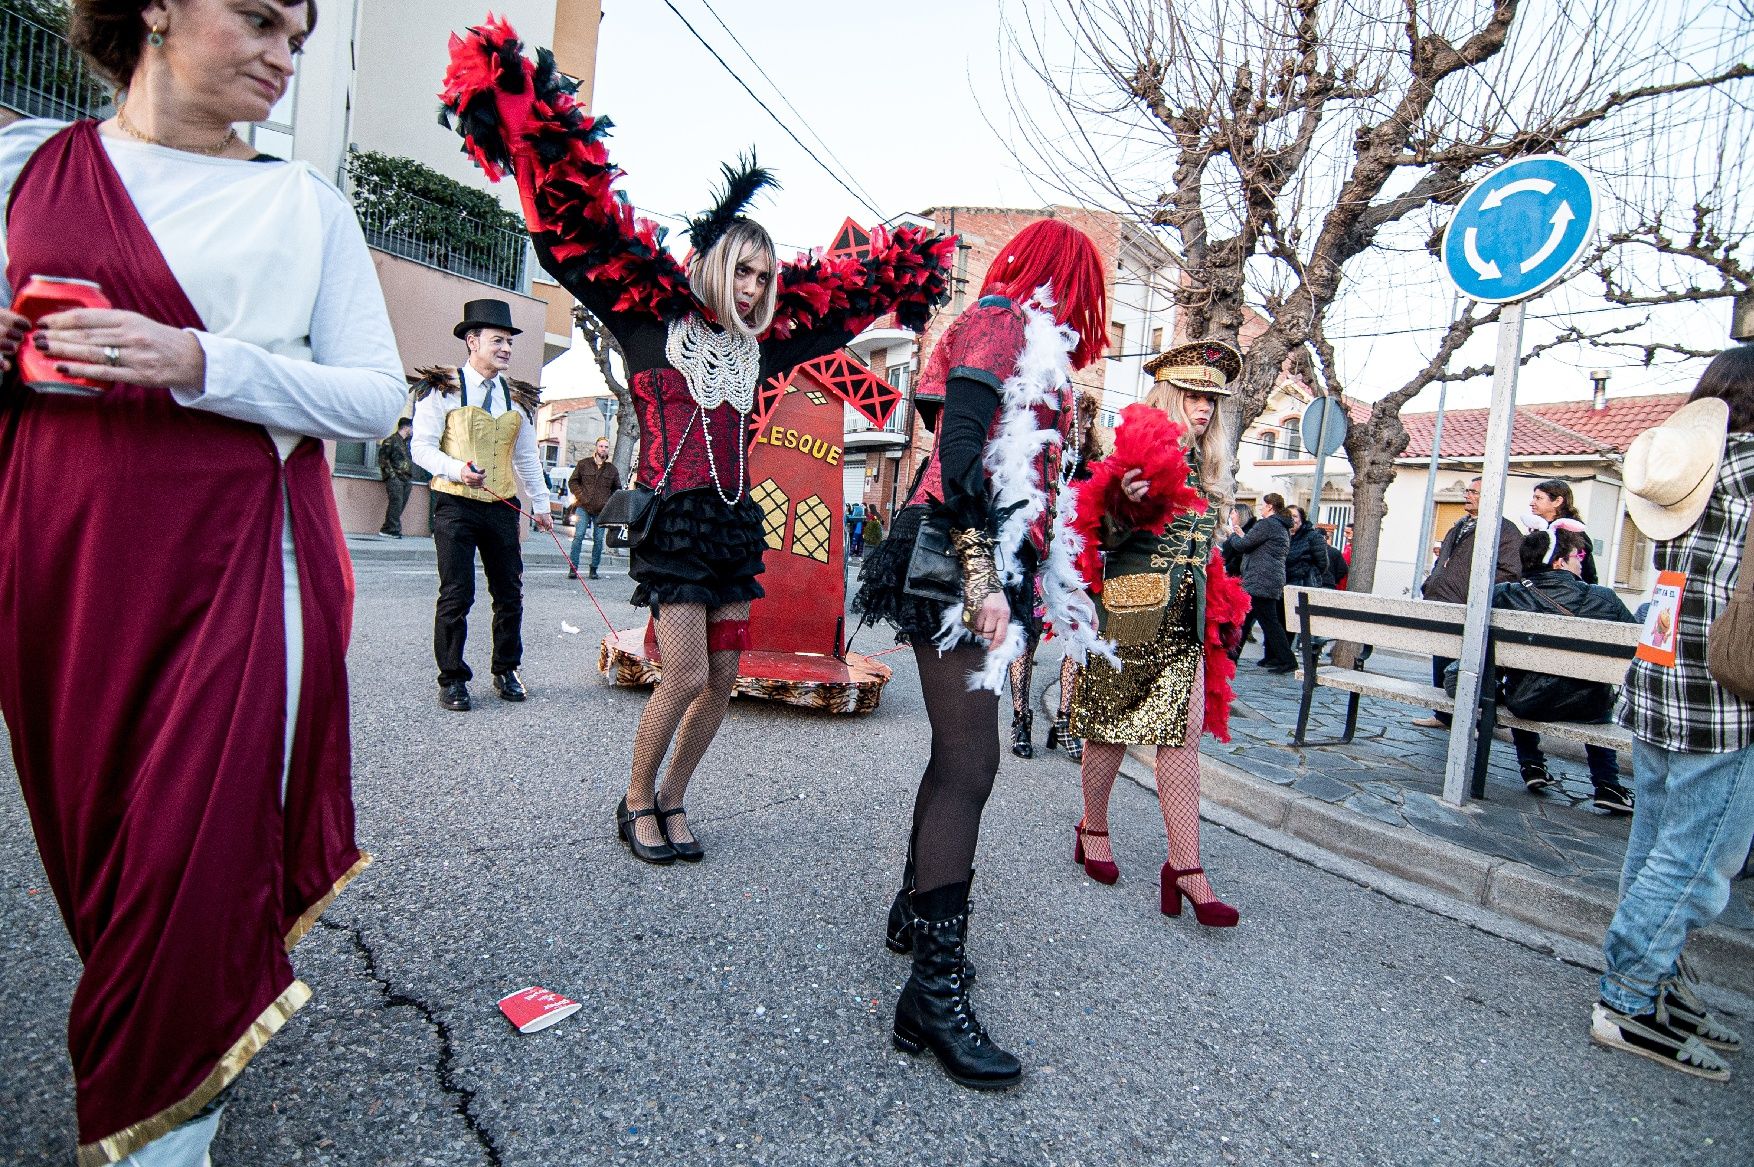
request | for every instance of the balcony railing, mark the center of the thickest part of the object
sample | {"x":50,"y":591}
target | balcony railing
{"x":492,"y":255}
{"x":42,"y":76}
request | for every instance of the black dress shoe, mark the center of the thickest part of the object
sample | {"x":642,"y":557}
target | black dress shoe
{"x":663,"y":854}
{"x":690,"y":850}
{"x":508,"y":686}
{"x":455,"y":697}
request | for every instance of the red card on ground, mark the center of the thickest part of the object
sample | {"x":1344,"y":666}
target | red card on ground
{"x":535,"y":1008}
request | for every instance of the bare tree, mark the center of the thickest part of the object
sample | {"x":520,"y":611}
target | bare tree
{"x":603,"y":347}
{"x":1302,"y":150}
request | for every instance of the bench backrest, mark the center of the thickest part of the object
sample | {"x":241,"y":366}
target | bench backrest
{"x":1565,"y":646}
{"x":1420,"y":626}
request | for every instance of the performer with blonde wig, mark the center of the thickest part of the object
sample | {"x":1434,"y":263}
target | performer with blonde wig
{"x":698,"y":344}
{"x":1152,"y":508}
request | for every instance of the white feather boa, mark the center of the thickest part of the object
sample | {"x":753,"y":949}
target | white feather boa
{"x":1013,"y":461}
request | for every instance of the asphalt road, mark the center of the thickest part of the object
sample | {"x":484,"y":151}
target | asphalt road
{"x":738,"y":1011}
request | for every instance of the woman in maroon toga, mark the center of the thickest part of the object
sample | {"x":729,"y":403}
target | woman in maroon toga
{"x":178,"y":713}
{"x":698,"y":343}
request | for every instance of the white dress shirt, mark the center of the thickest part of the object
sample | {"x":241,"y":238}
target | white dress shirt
{"x":429,"y":428}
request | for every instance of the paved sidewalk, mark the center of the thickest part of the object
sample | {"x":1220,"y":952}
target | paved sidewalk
{"x":1549,"y":860}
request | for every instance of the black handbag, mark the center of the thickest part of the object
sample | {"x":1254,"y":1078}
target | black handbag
{"x":629,"y":514}
{"x":933,"y":571}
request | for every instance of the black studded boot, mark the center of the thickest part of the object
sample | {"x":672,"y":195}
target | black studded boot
{"x":934,"y":1011}
{"x":1022,"y":726}
{"x":898,"y":936}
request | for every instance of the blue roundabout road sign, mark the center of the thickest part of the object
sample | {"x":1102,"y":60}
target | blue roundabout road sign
{"x":1519,"y":229}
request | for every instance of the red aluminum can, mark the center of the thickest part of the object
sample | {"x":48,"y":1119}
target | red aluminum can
{"x":44,"y":296}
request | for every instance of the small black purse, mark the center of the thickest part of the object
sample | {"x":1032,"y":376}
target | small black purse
{"x":933,"y":571}
{"x":629,"y":515}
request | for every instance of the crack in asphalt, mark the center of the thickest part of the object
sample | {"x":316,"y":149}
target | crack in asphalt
{"x":445,"y":1068}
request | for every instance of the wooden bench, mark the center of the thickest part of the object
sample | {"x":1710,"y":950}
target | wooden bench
{"x":1589,"y":650}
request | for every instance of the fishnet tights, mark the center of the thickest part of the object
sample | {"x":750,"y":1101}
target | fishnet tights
{"x":1177,"y":771}
{"x":683,"y":714}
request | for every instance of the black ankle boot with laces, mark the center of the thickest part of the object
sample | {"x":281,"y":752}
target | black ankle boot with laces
{"x":935,"y":1012}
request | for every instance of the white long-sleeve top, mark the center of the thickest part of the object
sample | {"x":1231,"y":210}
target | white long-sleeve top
{"x":297,"y":338}
{"x":429,"y":426}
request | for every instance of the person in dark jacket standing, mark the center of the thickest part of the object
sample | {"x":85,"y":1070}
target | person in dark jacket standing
{"x":591,"y":484}
{"x":1306,"y":559}
{"x":1263,"y":550}
{"x":1448,"y":581}
{"x":1552,"y":583}
{"x":397,"y":468}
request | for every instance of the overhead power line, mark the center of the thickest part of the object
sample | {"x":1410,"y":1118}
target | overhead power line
{"x":769,"y":111}
{"x":802,"y":120}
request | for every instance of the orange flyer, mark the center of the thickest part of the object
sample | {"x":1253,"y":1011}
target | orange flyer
{"x":1662,"y":622}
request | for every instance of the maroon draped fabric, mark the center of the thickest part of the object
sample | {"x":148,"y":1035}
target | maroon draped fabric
{"x":143,"y":680}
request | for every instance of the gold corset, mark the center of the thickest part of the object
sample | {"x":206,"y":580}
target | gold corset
{"x":474,"y":435}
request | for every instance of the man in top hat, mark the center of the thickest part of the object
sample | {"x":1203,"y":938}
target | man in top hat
{"x":475,"y":433}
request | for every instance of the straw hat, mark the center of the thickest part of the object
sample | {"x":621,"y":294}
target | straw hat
{"x":1670,"y":469}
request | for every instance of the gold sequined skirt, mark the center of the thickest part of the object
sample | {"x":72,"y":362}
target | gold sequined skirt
{"x":1145,"y":701}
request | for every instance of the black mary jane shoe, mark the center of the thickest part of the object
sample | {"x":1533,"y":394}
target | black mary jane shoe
{"x":662,"y":855}
{"x":689,"y":850}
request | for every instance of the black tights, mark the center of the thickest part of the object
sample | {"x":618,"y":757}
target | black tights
{"x":959,"y":774}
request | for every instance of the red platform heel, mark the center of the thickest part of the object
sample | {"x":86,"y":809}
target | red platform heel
{"x":1213,"y":913}
{"x":1101,"y":870}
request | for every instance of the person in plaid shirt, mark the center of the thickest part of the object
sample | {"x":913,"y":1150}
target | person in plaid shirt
{"x":1690,"y":487}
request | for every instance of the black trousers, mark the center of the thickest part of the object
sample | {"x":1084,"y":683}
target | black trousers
{"x":1275,"y":648}
{"x":460,"y":528}
{"x":1438,"y":665}
{"x":396,"y":498}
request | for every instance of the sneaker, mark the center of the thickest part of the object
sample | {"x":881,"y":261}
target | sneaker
{"x":1647,"y":1036}
{"x":1536,"y":778}
{"x":1685,"y":1012}
{"x":1428,"y":723}
{"x":1613,"y":799}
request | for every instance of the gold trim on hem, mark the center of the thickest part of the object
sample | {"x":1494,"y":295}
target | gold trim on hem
{"x":302,"y":926}
{"x":114,"y":1148}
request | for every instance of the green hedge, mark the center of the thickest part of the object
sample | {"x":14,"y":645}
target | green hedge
{"x":464,"y":228}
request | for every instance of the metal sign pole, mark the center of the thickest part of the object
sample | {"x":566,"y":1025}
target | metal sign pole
{"x":1483,"y":570}
{"x":1321,"y":451}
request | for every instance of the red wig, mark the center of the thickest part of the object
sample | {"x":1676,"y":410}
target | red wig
{"x":1053,"y":252}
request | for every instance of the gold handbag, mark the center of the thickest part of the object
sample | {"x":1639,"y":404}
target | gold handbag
{"x":1134,"y":607}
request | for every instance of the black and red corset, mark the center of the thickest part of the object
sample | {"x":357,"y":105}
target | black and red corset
{"x":670,"y":429}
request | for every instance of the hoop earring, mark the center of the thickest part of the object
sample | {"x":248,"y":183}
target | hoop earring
{"x":155,"y":37}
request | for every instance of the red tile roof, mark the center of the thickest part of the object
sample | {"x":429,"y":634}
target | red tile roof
{"x":1556,"y":428}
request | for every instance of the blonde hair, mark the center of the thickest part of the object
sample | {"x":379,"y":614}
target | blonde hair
{"x":1217,"y":466}
{"x":713,"y":276}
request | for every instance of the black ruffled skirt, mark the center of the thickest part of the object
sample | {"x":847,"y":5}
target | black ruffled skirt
{"x":699,"y":551}
{"x":882,"y":595}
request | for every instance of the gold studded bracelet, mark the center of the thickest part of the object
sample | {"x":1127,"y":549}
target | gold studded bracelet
{"x":980,"y":578}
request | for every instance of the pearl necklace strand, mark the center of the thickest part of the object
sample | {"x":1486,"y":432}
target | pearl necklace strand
{"x":721,"y":368}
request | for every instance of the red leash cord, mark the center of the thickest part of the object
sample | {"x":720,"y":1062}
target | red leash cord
{"x":565,"y":554}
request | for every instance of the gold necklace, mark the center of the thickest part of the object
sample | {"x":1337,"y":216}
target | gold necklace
{"x":127,"y":128}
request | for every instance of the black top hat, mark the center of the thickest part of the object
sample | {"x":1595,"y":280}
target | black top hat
{"x":486,"y":314}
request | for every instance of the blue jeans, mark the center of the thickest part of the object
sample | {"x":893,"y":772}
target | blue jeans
{"x":582,"y":523}
{"x":1692,"y":821}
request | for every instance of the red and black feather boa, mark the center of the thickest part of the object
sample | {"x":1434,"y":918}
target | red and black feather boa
{"x":523,"y":119}
{"x":1147,"y":441}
